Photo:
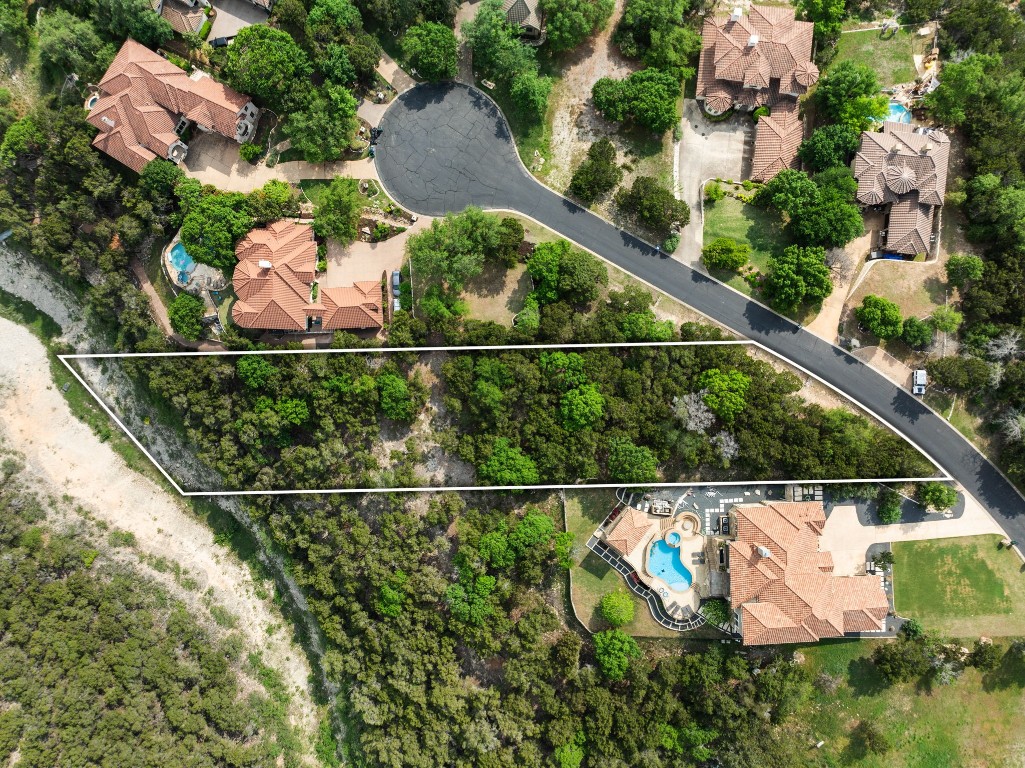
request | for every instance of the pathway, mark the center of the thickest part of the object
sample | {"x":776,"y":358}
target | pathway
{"x":849,"y":539}
{"x":447,"y":146}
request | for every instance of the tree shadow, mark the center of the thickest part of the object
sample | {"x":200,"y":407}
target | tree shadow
{"x":937,"y":289}
{"x":594,"y":565}
{"x":1010,"y":674}
{"x":490,"y":282}
{"x":863,"y":678}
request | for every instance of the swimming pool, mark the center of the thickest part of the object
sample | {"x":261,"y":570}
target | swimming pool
{"x":898,"y":113}
{"x":664,"y":562}
{"x":182,"y":262}
{"x":673,"y":538}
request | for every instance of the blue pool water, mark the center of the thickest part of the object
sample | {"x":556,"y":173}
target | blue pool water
{"x":898,"y":113}
{"x":181,"y":260}
{"x":673,"y":538}
{"x":664,"y":562}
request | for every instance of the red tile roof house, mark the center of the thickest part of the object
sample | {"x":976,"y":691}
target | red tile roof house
{"x":184,"y":16}
{"x":782,"y":588}
{"x":904,"y":167}
{"x":273,"y":281}
{"x":762,"y":59}
{"x":144,"y":103}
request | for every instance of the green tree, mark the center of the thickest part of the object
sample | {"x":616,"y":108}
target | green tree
{"x":798,"y":275}
{"x":292,"y":410}
{"x":598,"y":174}
{"x":963,"y":373}
{"x":582,"y":408}
{"x":985,"y":656}
{"x":395,"y":399}
{"x":611,"y":98}
{"x":964,"y":82}
{"x":790,"y":192}
{"x":254,"y":370}
{"x":266,"y":63}
{"x":340,"y":207}
{"x":654,"y":204}
{"x":529,"y":92}
{"x":185,"y":313}
{"x":453,"y":249}
{"x":68,"y":45}
{"x":936,"y":496}
{"x":494,"y":549}
{"x":570,"y":22}
{"x":617,"y":608}
{"x":947,"y":319}
{"x":827,"y":16}
{"x":134,"y":19}
{"x":916,"y":333}
{"x":336,"y":65}
{"x":648,"y":97}
{"x":725,"y":253}
{"x":212,"y":228}
{"x":902,"y":660}
{"x":829,"y":146}
{"x":629,"y":463}
{"x":725,"y":392}
{"x":888,"y":506}
{"x":613,"y":649}
{"x":432,"y":50}
{"x":533,"y":532}
{"x":964,"y":269}
{"x":849,"y":94}
{"x":325,"y":127}
{"x":582,"y":277}
{"x":14,"y":24}
{"x":880,"y":317}
{"x":508,"y":465}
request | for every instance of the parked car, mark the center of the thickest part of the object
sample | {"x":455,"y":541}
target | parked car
{"x":396,"y":305}
{"x":219,"y":42}
{"x":919,"y":381}
{"x":396,"y":280}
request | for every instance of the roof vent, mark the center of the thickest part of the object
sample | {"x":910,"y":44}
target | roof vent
{"x":264,"y":264}
{"x":737,"y":13}
{"x":107,"y":121}
{"x":752,"y":41}
{"x":927,"y":148}
{"x":763,"y":551}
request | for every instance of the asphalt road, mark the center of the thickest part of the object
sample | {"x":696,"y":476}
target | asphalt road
{"x":447,"y":146}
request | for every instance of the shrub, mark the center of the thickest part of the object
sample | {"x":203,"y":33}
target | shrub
{"x":725,"y":253}
{"x":760,"y":112}
{"x":617,"y":608}
{"x":654,"y":204}
{"x":936,"y":496}
{"x":671,"y":243}
{"x":881,"y":317}
{"x":713,"y":192}
{"x":598,"y":174}
{"x":186,"y":314}
{"x":889,"y":506}
{"x":250,"y":152}
{"x":716,"y":611}
{"x":613,"y":650}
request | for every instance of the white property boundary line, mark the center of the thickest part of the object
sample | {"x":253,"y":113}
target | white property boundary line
{"x":67,"y":361}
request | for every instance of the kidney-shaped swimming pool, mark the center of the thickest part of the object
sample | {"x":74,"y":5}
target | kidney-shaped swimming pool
{"x":664,"y":562}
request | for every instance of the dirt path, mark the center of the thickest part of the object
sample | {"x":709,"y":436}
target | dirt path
{"x":70,"y":461}
{"x":575,"y":124}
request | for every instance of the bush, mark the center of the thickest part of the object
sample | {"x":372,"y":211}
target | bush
{"x":250,"y":152}
{"x":186,"y":314}
{"x":598,"y":174}
{"x":647,"y":97}
{"x":725,"y":253}
{"x":716,"y":611}
{"x":613,"y":650}
{"x":889,"y":506}
{"x":936,"y":496}
{"x":671,"y":243}
{"x":713,"y":192}
{"x":617,"y":608}
{"x":759,"y":113}
{"x":654,"y":204}
{"x":917,"y":334}
{"x":881,"y":317}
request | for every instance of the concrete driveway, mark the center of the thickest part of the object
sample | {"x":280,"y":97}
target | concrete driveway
{"x":347,"y":264}
{"x":235,"y":15}
{"x":707,"y":150}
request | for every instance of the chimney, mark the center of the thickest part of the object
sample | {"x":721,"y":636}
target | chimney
{"x":927,"y":148}
{"x":752,"y":41}
{"x":264,"y":264}
{"x":107,"y":121}
{"x":737,"y":13}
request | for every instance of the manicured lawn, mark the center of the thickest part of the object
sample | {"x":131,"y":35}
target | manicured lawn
{"x":891,"y":58}
{"x":974,"y":722}
{"x":314,"y":189}
{"x":962,"y":587}
{"x":745,"y":223}
{"x":591,"y":577}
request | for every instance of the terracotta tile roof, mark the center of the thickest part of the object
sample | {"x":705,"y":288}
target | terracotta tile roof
{"x":777,"y":137}
{"x":905,"y":167}
{"x":629,"y":530}
{"x":143,"y":95}
{"x":783,"y":586}
{"x":750,"y":51}
{"x":183,"y":18}
{"x":276,"y":268}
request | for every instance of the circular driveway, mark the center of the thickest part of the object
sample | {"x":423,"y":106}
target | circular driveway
{"x":445,"y":146}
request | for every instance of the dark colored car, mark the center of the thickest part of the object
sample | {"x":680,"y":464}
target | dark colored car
{"x":396,"y":280}
{"x":219,"y":42}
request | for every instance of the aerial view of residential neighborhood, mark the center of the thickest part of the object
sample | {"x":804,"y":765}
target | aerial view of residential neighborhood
{"x":512,"y":384}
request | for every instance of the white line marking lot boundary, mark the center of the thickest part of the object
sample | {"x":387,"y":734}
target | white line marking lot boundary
{"x":68,"y":360}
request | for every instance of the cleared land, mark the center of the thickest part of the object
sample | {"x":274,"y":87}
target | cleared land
{"x":975,"y":722}
{"x":961,"y":587}
{"x":892,"y":56}
{"x":745,"y":223}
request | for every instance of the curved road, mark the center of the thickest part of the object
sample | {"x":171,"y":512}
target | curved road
{"x":447,"y":146}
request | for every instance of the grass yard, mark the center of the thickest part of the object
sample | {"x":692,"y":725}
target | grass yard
{"x":974,"y":722}
{"x":891,"y":58}
{"x":590,"y":576}
{"x":497,"y":293}
{"x":918,"y":288}
{"x":745,"y":223}
{"x":962,"y":587}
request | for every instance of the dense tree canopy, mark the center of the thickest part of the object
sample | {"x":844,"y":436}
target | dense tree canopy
{"x":570,"y":22}
{"x":267,"y":64}
{"x":340,"y":207}
{"x":599,"y":174}
{"x":654,"y":204}
{"x":431,"y":50}
{"x":657,"y":32}
{"x":849,"y":95}
{"x":647,"y":97}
